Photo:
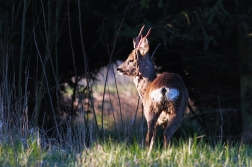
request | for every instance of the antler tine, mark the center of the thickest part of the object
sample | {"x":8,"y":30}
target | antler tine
{"x":140,"y":33}
{"x":148,"y":33}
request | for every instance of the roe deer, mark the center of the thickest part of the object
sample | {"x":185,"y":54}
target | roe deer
{"x":164,"y":97}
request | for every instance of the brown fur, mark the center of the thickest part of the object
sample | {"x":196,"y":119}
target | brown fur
{"x":166,"y":112}
{"x":169,"y":114}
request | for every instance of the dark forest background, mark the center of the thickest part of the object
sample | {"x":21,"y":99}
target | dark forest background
{"x":44,"y":43}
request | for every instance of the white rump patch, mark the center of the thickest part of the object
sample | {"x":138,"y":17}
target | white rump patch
{"x":170,"y":94}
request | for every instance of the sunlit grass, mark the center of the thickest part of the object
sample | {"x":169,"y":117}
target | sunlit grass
{"x":19,"y":154}
{"x":191,"y":152}
{"x":184,"y":153}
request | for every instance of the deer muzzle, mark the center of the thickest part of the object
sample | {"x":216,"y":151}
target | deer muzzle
{"x":120,"y":71}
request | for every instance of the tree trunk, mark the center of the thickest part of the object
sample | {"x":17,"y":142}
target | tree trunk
{"x":245,"y":52}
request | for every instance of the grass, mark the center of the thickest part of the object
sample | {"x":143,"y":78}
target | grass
{"x":191,"y":152}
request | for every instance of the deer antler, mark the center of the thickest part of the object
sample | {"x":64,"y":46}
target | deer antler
{"x":148,"y":33}
{"x":139,"y":38}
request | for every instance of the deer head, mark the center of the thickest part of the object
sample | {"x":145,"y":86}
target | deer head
{"x":141,"y":50}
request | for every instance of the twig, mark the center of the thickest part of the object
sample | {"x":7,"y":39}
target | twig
{"x":112,"y":109}
{"x":221,"y":126}
{"x":22,"y":51}
{"x":111,"y":57}
{"x":133,"y":120}
{"x":155,"y":50}
{"x":73,"y":56}
{"x":85,"y":62}
{"x":47,"y":84}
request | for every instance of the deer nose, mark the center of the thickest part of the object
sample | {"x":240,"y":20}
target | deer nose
{"x":120,"y":71}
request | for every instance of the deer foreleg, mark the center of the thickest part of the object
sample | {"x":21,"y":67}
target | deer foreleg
{"x":152,"y":128}
{"x":150,"y":131}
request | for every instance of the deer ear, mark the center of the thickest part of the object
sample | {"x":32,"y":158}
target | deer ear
{"x":134,"y":43}
{"x":144,"y":47}
{"x":136,"y":55}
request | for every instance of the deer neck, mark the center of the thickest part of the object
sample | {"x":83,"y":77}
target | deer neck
{"x":146,"y":75}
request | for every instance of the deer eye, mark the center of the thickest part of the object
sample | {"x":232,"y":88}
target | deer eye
{"x":131,"y":61}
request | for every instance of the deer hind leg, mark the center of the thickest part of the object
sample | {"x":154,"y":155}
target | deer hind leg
{"x":173,"y":124}
{"x":152,"y":130}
